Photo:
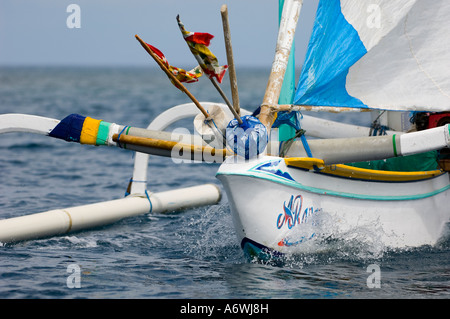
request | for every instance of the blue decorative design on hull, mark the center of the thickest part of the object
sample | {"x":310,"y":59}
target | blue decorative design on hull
{"x":272,"y":167}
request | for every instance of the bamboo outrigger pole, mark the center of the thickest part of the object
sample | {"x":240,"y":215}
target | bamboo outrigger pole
{"x":195,"y":151}
{"x":173,"y":77}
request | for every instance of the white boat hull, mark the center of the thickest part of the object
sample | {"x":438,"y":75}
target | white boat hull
{"x":279,"y":207}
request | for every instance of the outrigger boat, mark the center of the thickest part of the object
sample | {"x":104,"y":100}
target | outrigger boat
{"x":367,"y":55}
{"x":284,"y":189}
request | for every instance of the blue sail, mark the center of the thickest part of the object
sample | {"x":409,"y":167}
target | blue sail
{"x":333,"y":49}
{"x":378,"y":54}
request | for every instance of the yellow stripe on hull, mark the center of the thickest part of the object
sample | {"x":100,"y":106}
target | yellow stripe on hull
{"x":359,"y":173}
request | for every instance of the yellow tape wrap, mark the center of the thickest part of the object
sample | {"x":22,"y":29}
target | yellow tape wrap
{"x":89,"y":131}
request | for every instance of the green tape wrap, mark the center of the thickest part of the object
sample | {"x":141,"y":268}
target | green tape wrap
{"x":103,"y":133}
{"x":394,"y":145}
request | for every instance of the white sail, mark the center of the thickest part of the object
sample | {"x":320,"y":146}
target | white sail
{"x":379,"y":54}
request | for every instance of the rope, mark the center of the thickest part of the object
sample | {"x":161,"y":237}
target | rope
{"x":299,"y":132}
{"x":118,"y":137}
{"x":146,"y":194}
{"x":210,"y":119}
{"x":148,"y":197}
{"x":376,"y":129}
{"x":127,"y":192}
{"x":286,"y":145}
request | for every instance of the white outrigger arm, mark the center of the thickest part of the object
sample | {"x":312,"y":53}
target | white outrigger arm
{"x":369,"y":148}
{"x":138,"y":202}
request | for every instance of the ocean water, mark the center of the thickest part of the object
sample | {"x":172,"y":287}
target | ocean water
{"x":190,"y":254}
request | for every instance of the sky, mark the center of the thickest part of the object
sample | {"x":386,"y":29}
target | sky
{"x":51,"y":33}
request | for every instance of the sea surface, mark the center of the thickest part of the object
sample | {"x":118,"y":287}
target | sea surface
{"x":189,"y":254}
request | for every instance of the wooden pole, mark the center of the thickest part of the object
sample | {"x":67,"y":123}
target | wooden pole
{"x":201,"y":63}
{"x":172,"y":77}
{"x":169,"y":145}
{"x":235,"y":114}
{"x":230,"y":59}
{"x":288,"y":23}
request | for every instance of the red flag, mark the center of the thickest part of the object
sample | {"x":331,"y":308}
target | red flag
{"x":198,"y":44}
{"x":181,"y":74}
{"x":200,"y":38}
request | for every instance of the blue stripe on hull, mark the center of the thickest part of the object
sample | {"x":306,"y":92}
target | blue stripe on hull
{"x":292,"y":183}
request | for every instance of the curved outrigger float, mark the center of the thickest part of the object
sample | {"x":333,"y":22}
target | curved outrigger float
{"x":291,"y":191}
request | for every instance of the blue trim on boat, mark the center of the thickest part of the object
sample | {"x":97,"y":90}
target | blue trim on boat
{"x":284,"y":181}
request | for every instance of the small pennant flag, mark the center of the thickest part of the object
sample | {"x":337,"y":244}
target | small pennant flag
{"x":198,"y":44}
{"x":181,"y":75}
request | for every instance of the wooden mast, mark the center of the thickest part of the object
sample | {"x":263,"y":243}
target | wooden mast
{"x":288,"y":24}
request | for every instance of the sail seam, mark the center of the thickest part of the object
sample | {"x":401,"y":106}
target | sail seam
{"x":418,"y":61}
